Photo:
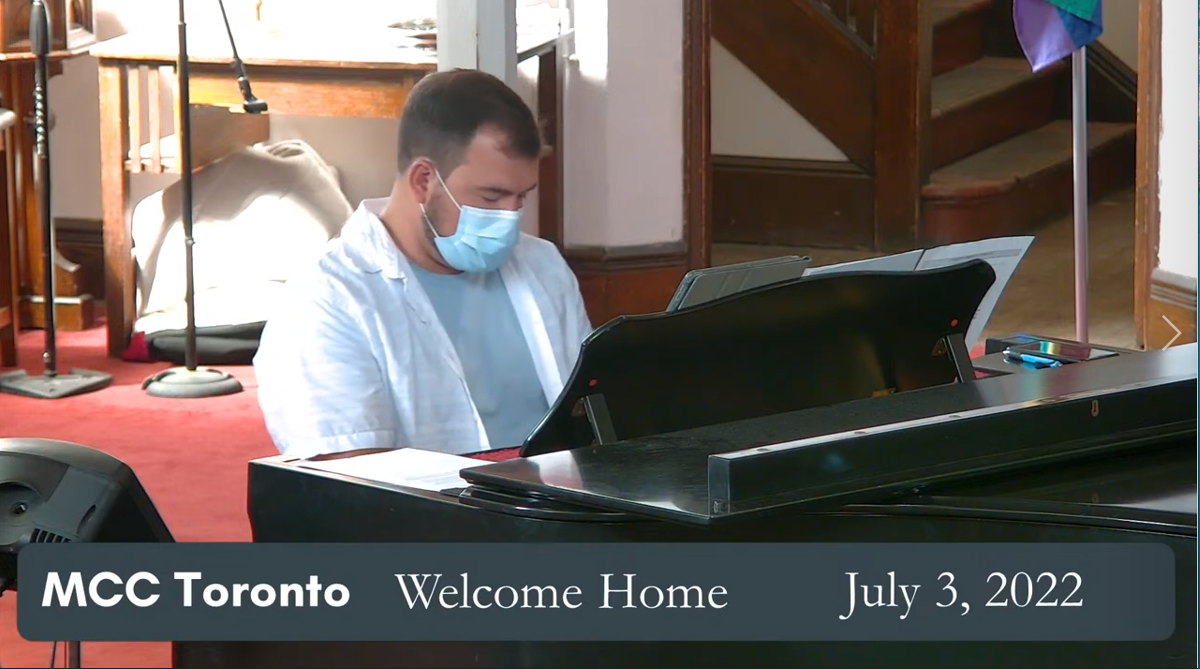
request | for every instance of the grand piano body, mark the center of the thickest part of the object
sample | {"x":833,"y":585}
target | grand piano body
{"x":1097,"y":452}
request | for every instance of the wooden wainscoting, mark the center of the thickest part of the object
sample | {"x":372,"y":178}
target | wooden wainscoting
{"x":82,"y":242}
{"x":80,"y":281}
{"x":1173,"y":299}
{"x":792,"y":202}
{"x":627,"y":280}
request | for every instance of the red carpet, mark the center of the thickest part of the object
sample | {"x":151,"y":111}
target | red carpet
{"x":190,"y":455}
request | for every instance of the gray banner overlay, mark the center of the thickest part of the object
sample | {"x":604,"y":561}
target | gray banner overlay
{"x":560,"y":592}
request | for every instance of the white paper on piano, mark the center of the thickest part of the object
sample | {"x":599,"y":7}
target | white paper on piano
{"x":410,"y":467}
{"x":1004,"y":254}
{"x":901,"y":262}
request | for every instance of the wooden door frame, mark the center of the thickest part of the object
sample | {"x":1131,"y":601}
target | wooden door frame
{"x":697,"y":131}
{"x":1149,"y":127}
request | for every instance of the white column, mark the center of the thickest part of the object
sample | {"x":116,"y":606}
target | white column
{"x":497,"y":38}
{"x":478,"y":35}
{"x":456,"y":23}
{"x":623,"y":124}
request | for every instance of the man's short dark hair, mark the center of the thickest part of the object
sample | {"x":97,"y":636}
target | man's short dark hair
{"x":445,"y":111}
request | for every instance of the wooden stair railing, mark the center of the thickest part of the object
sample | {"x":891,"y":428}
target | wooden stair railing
{"x":903,"y":75}
{"x":898,"y":38}
{"x":797,"y":47}
{"x":943,"y":124}
{"x":859,"y":71}
{"x":857,"y":16}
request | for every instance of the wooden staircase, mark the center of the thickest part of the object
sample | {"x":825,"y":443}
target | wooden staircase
{"x":933,"y":102}
{"x":1001,"y":149}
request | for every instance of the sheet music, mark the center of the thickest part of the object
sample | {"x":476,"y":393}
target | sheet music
{"x":1004,"y":254}
{"x":714,"y":283}
{"x":901,"y":262}
{"x":410,"y":467}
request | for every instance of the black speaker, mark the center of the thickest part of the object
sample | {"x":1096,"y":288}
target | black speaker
{"x":57,"y":492}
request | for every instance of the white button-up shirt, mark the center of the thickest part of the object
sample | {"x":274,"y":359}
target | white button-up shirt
{"x":355,"y":356}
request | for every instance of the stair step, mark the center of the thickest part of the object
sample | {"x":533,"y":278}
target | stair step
{"x":958,"y":32}
{"x":1021,"y":158}
{"x":980,"y":80}
{"x":1023,"y":181}
{"x":942,"y":11}
{"x":987,"y":102}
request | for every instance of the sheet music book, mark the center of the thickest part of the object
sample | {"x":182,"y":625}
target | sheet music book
{"x":1004,"y":254}
{"x":712,"y":283}
{"x":409,"y":467}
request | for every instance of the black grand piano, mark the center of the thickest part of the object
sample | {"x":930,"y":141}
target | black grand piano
{"x":834,"y":409}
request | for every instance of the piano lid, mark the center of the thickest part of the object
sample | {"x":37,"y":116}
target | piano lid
{"x":871,"y":451}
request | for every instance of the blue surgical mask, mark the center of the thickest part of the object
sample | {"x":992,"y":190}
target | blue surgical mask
{"x":484,"y":240}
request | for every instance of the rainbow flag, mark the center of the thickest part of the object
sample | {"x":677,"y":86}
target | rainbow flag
{"x":1050,"y":30}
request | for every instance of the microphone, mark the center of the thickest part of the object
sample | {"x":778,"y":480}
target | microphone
{"x":251,"y":104}
{"x":192,"y":380}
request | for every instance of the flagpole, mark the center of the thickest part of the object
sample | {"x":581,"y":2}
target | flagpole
{"x":1080,"y":150}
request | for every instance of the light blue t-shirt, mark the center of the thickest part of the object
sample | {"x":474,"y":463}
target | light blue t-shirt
{"x":479,"y":317}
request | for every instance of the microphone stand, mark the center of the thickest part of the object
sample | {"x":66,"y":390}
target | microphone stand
{"x":51,"y":385}
{"x":192,"y":381}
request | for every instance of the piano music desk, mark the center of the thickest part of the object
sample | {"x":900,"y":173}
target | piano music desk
{"x":294,"y":78}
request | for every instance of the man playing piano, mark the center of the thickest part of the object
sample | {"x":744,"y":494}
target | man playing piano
{"x":432,"y":321}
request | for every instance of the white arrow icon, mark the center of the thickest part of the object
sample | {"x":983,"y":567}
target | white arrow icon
{"x":1177,"y":332}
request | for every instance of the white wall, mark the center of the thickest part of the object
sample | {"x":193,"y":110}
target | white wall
{"x":749,"y":119}
{"x":1177,"y":174}
{"x":1121,"y":30}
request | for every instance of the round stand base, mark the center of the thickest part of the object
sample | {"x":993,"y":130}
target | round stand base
{"x":182,"y":383}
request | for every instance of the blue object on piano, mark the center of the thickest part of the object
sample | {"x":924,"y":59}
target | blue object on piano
{"x":1037,"y":362}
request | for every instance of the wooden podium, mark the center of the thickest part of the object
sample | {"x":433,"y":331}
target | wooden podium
{"x":72,"y":27}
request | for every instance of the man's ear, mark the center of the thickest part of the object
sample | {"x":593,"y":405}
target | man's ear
{"x":420,"y":178}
